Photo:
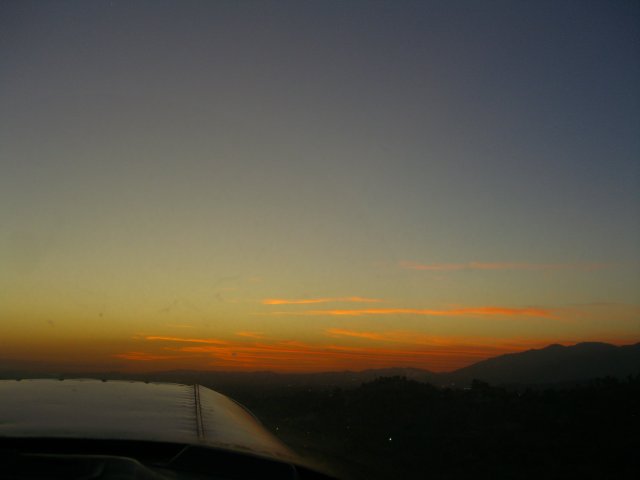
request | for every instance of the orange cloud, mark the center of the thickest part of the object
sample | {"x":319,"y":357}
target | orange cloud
{"x":456,"y":312}
{"x":458,"y":342}
{"x":527,"y":312}
{"x":142,"y":356}
{"x":306,"y":301}
{"x":250,"y":334}
{"x":455,"y":267}
{"x":188,"y":340}
{"x":340,"y":332}
{"x":400,"y":336}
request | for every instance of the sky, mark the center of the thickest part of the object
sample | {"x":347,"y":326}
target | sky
{"x":316,"y":185}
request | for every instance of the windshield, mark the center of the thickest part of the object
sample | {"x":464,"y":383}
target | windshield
{"x":289,"y":187}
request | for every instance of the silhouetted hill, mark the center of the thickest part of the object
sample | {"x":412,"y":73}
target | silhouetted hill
{"x":554,"y":364}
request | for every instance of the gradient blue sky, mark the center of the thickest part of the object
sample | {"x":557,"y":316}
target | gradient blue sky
{"x":167,"y":168}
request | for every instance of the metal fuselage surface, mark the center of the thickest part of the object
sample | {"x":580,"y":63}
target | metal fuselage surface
{"x":191,"y":416}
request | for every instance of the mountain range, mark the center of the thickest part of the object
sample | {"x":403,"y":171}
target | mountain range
{"x":555,"y":364}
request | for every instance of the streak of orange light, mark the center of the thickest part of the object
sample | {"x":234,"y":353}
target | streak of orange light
{"x":307,"y":301}
{"x":457,"y":312}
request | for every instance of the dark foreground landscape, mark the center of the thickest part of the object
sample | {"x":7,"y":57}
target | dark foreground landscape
{"x":398,"y":428}
{"x":394,"y":424}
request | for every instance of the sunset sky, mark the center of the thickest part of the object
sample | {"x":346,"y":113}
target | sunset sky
{"x":316,"y":185}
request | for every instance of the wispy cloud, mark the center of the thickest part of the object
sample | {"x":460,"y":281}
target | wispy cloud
{"x":493,"y":310}
{"x":143,"y":356}
{"x":457,"y":343}
{"x":341,"y":332}
{"x":213,"y":341}
{"x":398,"y":336}
{"x":455,"y":312}
{"x":307,"y":301}
{"x":250,"y":334}
{"x":456,"y":267}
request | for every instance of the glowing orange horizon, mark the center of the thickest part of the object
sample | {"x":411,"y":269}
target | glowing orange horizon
{"x":409,"y":349}
{"x":338,"y":349}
